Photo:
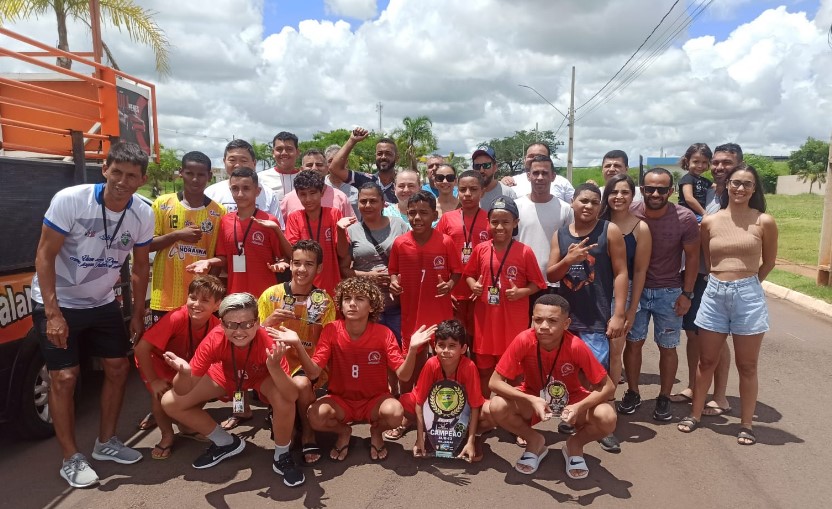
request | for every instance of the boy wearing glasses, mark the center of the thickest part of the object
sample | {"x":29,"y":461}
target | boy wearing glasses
{"x":485,"y":162}
{"x":233,"y":358}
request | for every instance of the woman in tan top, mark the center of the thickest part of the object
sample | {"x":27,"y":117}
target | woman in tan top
{"x":740,"y":245}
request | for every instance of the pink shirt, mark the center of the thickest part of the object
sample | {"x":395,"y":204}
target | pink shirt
{"x":332,"y":198}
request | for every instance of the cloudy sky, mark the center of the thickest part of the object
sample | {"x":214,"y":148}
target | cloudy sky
{"x":757,"y":72}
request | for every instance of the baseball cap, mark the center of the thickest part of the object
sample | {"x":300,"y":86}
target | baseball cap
{"x":484,"y":151}
{"x":507,"y":204}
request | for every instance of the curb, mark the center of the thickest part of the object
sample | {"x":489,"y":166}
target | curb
{"x":810,"y":303}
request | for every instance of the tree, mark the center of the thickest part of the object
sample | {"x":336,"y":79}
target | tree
{"x":765,"y":169}
{"x":813,"y":172}
{"x":460,"y":163}
{"x":511,"y":150}
{"x":123,"y":14}
{"x":809,"y":162}
{"x":170,"y":160}
{"x":263,"y":154}
{"x":414,"y":139}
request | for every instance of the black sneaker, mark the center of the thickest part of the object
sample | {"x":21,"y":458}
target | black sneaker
{"x":629,"y":402}
{"x":662,"y":411}
{"x":285,"y":466}
{"x":215,"y":453}
{"x":610,"y":443}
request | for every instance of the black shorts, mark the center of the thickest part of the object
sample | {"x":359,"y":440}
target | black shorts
{"x":101,"y":329}
{"x":155,"y":316}
{"x":698,"y":290}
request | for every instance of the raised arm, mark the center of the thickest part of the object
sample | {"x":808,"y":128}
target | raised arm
{"x":338,"y":166}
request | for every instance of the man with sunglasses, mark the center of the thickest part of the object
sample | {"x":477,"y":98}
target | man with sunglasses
{"x":666,"y":296}
{"x":485,"y":162}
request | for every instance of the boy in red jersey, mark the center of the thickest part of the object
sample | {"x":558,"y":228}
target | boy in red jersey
{"x":424,"y":267}
{"x":467,"y":227}
{"x":249,"y":241}
{"x":358,"y":352}
{"x":450,"y":363}
{"x":236,"y":356}
{"x":324,"y":225}
{"x":502,"y":273}
{"x":180,"y":332}
{"x":300,"y":306}
{"x":548,"y":347}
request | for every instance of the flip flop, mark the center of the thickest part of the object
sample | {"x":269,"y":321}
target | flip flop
{"x":520,"y":442}
{"x":193,"y":435}
{"x":396,"y":433}
{"x":680,"y":398}
{"x":148,"y":423}
{"x":575,"y":463}
{"x":715,"y":411}
{"x":688,"y":422}
{"x":165,"y":454}
{"x":234,"y":421}
{"x":530,"y":459}
{"x":311,"y":448}
{"x":746,"y":434}
{"x":338,"y":451}
{"x":379,"y":451}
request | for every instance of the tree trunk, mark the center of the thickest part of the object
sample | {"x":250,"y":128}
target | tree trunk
{"x":110,"y":57}
{"x":63,"y":43}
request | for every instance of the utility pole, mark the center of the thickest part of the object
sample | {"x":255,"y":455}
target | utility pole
{"x":571,"y":129}
{"x":379,"y":109}
{"x":824,"y":276}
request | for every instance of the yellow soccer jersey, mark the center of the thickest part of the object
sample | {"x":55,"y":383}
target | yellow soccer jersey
{"x":169,"y":289}
{"x":312,"y":312}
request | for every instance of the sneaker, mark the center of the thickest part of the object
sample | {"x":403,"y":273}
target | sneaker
{"x":566,"y":429}
{"x":610,"y":443}
{"x":629,"y":402}
{"x":115,"y":450}
{"x":285,"y":466}
{"x":662,"y":411}
{"x":216,"y":453}
{"x":78,"y":472}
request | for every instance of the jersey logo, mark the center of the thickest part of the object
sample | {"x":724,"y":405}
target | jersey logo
{"x":126,"y":238}
{"x":511,"y":272}
{"x":186,"y":249}
{"x":439,"y":263}
{"x":206,"y":226}
{"x":567,"y":369}
{"x":165,"y":207}
{"x":214,"y":213}
{"x":328,"y":235}
{"x":90,"y":234}
{"x":258,"y":239}
{"x":374,"y":358}
{"x":483,"y":235}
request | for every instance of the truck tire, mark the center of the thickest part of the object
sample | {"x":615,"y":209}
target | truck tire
{"x":34,"y":420}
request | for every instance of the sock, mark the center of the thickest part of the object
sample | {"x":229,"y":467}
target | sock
{"x":279,"y":450}
{"x":220,"y":437}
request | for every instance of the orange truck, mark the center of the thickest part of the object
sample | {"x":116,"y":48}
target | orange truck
{"x":56,"y":126}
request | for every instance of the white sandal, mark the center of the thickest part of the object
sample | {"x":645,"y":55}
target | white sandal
{"x":530,"y":459}
{"x":575,"y":463}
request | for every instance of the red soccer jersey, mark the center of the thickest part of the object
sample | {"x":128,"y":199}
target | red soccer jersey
{"x":261,"y":247}
{"x":521,"y":358}
{"x":172,"y":334}
{"x":466,"y":375}
{"x":496,"y":325}
{"x":419,"y":269}
{"x":216,"y":349}
{"x":324,"y":232}
{"x":472,"y":231}
{"x":357,"y":368}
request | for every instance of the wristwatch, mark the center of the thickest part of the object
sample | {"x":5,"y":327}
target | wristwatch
{"x":689,"y":295}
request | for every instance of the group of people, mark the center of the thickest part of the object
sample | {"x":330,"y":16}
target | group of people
{"x":452,"y":307}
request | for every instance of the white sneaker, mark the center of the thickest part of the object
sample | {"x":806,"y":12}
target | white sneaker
{"x":114,"y":450}
{"x":78,"y":472}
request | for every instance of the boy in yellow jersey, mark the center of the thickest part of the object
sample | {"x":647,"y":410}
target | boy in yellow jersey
{"x":185,"y":232}
{"x":300,"y":306}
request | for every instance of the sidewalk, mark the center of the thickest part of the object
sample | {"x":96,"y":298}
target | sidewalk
{"x":809,"y":303}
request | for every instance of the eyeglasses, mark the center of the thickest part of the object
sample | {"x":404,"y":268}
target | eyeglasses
{"x":484,"y":166}
{"x":746,"y":184}
{"x":443,"y":178}
{"x":239,"y":325}
{"x":656,"y":189}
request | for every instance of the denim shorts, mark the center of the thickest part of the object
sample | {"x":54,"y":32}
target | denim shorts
{"x":626,"y":304}
{"x":392,"y":319}
{"x":667,"y":325}
{"x":734,"y":307}
{"x":599,"y":344}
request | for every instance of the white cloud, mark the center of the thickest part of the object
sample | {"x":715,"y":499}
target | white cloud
{"x":766,"y":86}
{"x":358,"y":9}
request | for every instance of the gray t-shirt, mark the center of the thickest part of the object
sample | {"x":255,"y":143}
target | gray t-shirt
{"x":350,"y":191}
{"x":365,"y":257}
{"x":499,"y":190}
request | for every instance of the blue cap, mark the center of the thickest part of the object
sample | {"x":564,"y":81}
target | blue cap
{"x":484,"y":151}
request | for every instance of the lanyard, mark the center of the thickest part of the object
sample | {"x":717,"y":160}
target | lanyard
{"x":108,"y":241}
{"x":467,"y":235}
{"x":543,"y":381}
{"x":309,"y":226}
{"x":456,"y":373}
{"x":238,"y":380}
{"x":240,"y":246}
{"x":191,"y":336}
{"x":495,"y":277}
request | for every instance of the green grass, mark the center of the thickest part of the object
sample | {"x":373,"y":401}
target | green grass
{"x":801,"y":284}
{"x":798,"y":222}
{"x":166,"y":187}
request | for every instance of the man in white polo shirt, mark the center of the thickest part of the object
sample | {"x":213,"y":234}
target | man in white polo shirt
{"x":281,"y":178}
{"x":561,"y":188}
{"x":87,"y":234}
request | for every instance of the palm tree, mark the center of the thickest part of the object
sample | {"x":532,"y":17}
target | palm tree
{"x":123,"y":14}
{"x":263,"y":153}
{"x":812,"y":172}
{"x":415,"y":139}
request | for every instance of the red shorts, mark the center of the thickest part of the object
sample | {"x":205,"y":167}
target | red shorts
{"x":217,"y":375}
{"x":485,"y":361}
{"x":162,"y":370}
{"x":357,"y":410}
{"x":408,"y":401}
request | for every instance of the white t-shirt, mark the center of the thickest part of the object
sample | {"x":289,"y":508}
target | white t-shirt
{"x":280,"y":183}
{"x":89,"y":262}
{"x":266,"y":201}
{"x":561,"y":188}
{"x":538,"y":224}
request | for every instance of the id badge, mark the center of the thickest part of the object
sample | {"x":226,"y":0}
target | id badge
{"x":466,"y":252}
{"x":238,"y":263}
{"x":237,"y":404}
{"x":494,"y":295}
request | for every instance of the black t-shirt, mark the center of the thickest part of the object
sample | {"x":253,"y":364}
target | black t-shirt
{"x":357,"y":179}
{"x":700,"y":189}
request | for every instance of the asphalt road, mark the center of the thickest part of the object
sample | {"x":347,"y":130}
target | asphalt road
{"x":659,"y":466}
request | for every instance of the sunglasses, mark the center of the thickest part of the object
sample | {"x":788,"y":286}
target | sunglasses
{"x":745,"y":184}
{"x":484,"y":166}
{"x":656,"y":189}
{"x":444,"y":178}
{"x":239,"y":325}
